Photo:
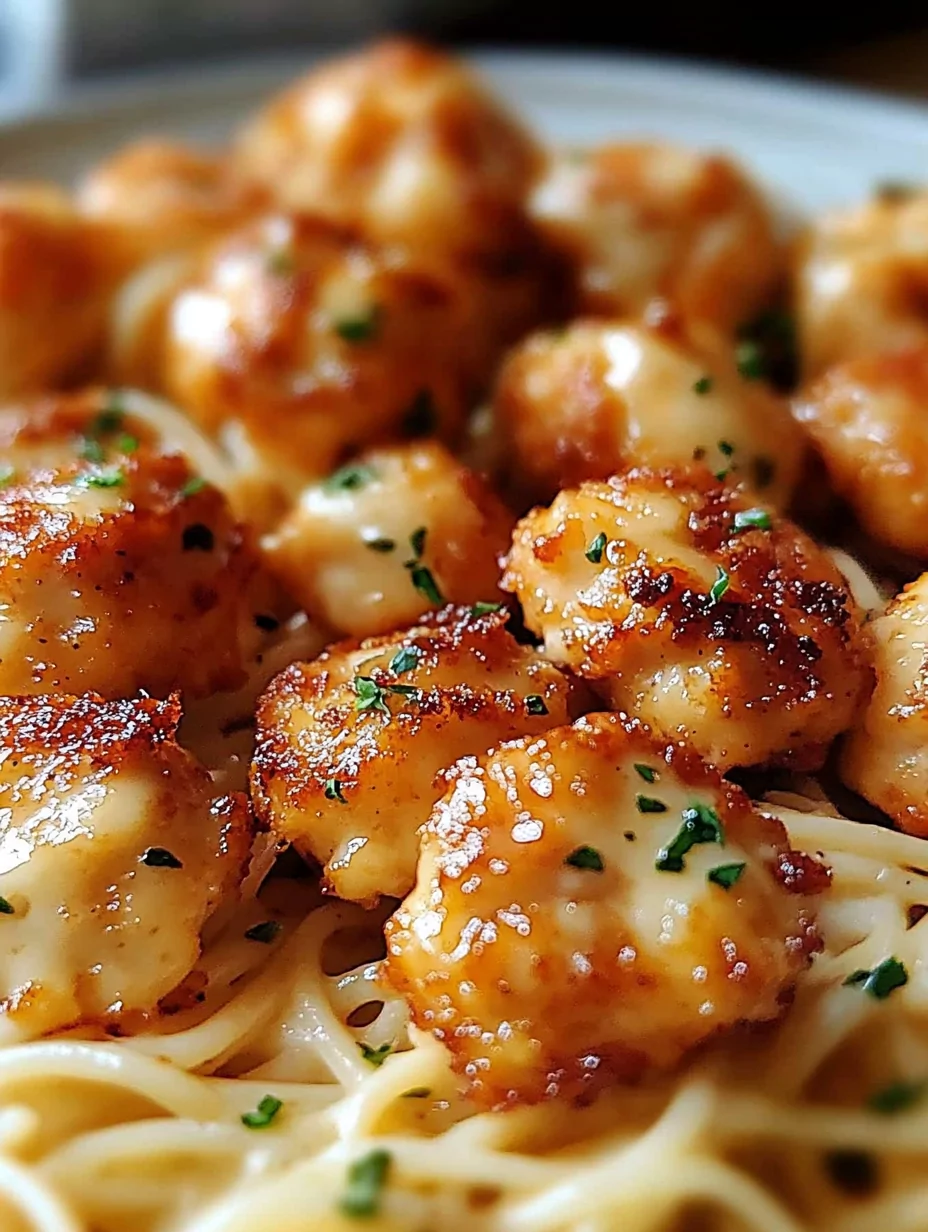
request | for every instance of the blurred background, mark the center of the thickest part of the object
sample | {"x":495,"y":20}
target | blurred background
{"x":45,"y":44}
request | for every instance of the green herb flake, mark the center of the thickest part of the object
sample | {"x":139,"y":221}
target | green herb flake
{"x":535,"y":704}
{"x":594,"y":552}
{"x":720,"y":585}
{"x":897,"y":1097}
{"x":362,"y":328}
{"x":127,"y":443}
{"x":701,"y":824}
{"x":107,"y":479}
{"x":885,"y":978}
{"x":265,"y":932}
{"x":370,"y":696}
{"x":349,"y":478}
{"x":484,"y":609}
{"x":648,"y":804}
{"x":426,"y":585}
{"x":749,"y":359}
{"x":6,"y":907}
{"x":92,"y":450}
{"x":751,"y":519}
{"x":645,"y":772}
{"x":586,"y":858}
{"x":375,"y":1056}
{"x":703,"y":385}
{"x":725,"y":875}
{"x":111,"y":416}
{"x":6,"y":475}
{"x":193,"y":485}
{"x":405,"y":660}
{"x":417,"y":542}
{"x":333,"y":791}
{"x":266,"y":1111}
{"x":726,"y":448}
{"x":160,"y":857}
{"x":367,"y":1177}
{"x":380,"y":545}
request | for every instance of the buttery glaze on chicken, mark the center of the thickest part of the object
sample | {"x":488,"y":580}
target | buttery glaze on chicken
{"x":120,"y":568}
{"x":714,"y":620}
{"x":350,"y":748}
{"x":390,"y":535}
{"x":114,"y":850}
{"x":596,"y":398}
{"x":590,"y":905}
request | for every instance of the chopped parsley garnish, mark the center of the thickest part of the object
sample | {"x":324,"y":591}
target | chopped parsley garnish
{"x":594,"y":552}
{"x":897,"y":1097}
{"x":417,"y":540}
{"x":108,"y":479}
{"x":720,"y":585}
{"x":160,"y":857}
{"x":422,"y":577}
{"x":6,"y":907}
{"x":726,"y":448}
{"x":92,"y":450}
{"x":701,"y":824}
{"x":484,"y":609}
{"x":267,"y":1109}
{"x":648,"y":804}
{"x":885,"y":978}
{"x":587,"y":858}
{"x":111,"y":416}
{"x":703,"y":385}
{"x":197,"y":537}
{"x":380,"y":545}
{"x":767,"y":348}
{"x":366,"y":1179}
{"x":265,"y":932}
{"x":375,"y":1056}
{"x":349,"y":478}
{"x":405,"y":659}
{"x":194,"y":485}
{"x":333,"y":791}
{"x":645,"y":772}
{"x":421,"y":417}
{"x":127,"y":443}
{"x":417,"y":1093}
{"x":371,"y":695}
{"x":6,"y":474}
{"x":535,"y":704}
{"x":725,"y":875}
{"x":750,"y":360}
{"x":751,"y":519}
{"x":361,"y":328}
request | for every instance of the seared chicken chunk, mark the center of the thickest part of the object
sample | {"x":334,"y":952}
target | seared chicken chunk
{"x":862,"y":281}
{"x":868,"y":419}
{"x":642,"y":221}
{"x":350,"y":748}
{"x":711,"y":619}
{"x":600,"y":397}
{"x":885,"y":755}
{"x":388,"y":536}
{"x":114,"y":850}
{"x":589,"y":906}
{"x":120,"y":568}
{"x":57,"y":274}
{"x":299,"y":348}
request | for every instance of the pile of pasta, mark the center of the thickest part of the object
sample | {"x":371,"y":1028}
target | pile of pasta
{"x":463,"y":702}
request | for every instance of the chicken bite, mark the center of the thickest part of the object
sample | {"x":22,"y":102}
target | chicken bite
{"x":120,"y":568}
{"x":712,"y":619}
{"x":114,"y":850}
{"x":640,"y":221}
{"x":350,"y":748}
{"x":390,"y":535}
{"x":600,"y":397}
{"x":867,"y":419}
{"x":885,"y":755}
{"x":590,"y":906}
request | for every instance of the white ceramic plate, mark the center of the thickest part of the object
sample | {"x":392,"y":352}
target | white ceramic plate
{"x":813,"y":144}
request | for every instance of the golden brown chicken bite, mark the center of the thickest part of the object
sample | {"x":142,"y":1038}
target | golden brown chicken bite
{"x":166,"y":197}
{"x":299,"y":348}
{"x":600,"y":397}
{"x":639,"y":221}
{"x":589,"y":906}
{"x":114,"y":850}
{"x":57,"y":274}
{"x":885,"y":755}
{"x":400,"y":142}
{"x":862,"y":281}
{"x":868,"y":420}
{"x":390,"y":535}
{"x":120,"y":568}
{"x":350,"y":748}
{"x":712,"y":619}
